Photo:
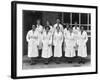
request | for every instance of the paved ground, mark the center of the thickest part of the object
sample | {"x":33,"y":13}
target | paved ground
{"x":52,"y":64}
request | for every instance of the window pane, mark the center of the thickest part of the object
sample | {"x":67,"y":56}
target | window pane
{"x":89,"y":18}
{"x":75,"y":18}
{"x":88,"y":33}
{"x":84,"y":18}
{"x":89,"y":27}
{"x":66,"y":17}
{"x":85,"y":27}
{"x":59,"y":15}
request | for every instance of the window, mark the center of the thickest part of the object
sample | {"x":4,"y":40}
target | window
{"x":82,"y":19}
{"x":66,"y":17}
{"x":75,"y":18}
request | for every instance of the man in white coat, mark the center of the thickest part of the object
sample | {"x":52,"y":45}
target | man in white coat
{"x":39,"y":29}
{"x":58,"y":24}
{"x":48,"y":25}
{"x":76,"y":35}
{"x":32,"y":39}
{"x":65,"y":34}
{"x":82,"y":48}
{"x":57,"y":42}
{"x":69,"y":45}
{"x":76,"y":28}
{"x":47,"y":44}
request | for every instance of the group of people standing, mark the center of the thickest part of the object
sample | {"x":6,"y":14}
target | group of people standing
{"x":54,"y":41}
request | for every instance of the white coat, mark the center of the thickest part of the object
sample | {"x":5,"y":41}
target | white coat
{"x":60,"y":25}
{"x":51,"y":30}
{"x":47,"y":48}
{"x":39,"y":29}
{"x":32,"y":39}
{"x":77,"y":28}
{"x":76,"y":35}
{"x":57,"y":42}
{"x":82,"y":49}
{"x":65,"y":35}
{"x":65,"y":31}
{"x":76,"y":32}
{"x":69,"y":44}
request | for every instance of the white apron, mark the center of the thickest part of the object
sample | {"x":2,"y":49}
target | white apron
{"x":82,"y":49}
{"x":32,"y":39}
{"x":47,"y":48}
{"x":57,"y":42}
{"x":69,"y":44}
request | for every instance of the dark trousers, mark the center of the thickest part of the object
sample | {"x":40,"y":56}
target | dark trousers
{"x":69,"y":59}
{"x":81,"y":59}
{"x":57,"y":59}
{"x":40,"y":53}
{"x":33,"y":60}
{"x":45,"y":60}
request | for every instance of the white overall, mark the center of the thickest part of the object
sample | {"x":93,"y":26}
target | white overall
{"x":69,"y":44}
{"x":47,"y":48}
{"x":82,"y":50}
{"x":57,"y":42}
{"x":32,"y":39}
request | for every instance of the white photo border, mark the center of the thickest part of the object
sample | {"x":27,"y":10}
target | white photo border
{"x":19,"y":7}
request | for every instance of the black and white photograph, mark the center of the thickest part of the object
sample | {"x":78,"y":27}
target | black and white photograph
{"x":54,"y":39}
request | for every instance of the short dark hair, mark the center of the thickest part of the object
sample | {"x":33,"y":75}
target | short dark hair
{"x":47,"y":27}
